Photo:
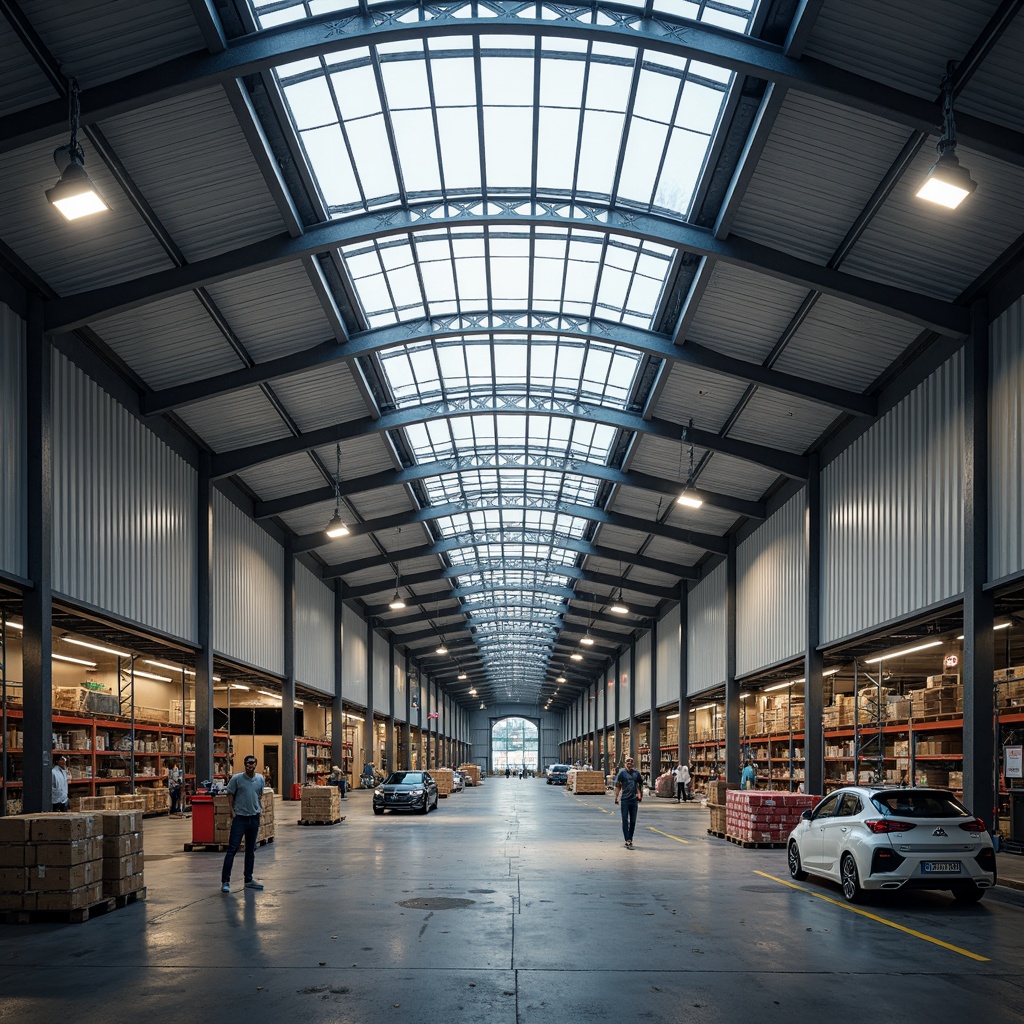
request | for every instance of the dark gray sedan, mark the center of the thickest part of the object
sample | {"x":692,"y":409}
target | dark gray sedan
{"x":406,"y":791}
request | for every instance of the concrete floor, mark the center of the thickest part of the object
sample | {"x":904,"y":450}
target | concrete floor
{"x":515,"y":902}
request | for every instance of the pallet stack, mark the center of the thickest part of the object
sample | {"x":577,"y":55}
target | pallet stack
{"x":222,"y":818}
{"x":716,"y":804}
{"x":583,"y":780}
{"x":763,"y":817}
{"x":321,"y":805}
{"x":122,"y":853}
{"x":443,"y":778}
{"x":472,"y":771}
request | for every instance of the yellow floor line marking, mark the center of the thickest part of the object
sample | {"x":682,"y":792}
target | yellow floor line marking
{"x":685,"y":842}
{"x":875,"y":917}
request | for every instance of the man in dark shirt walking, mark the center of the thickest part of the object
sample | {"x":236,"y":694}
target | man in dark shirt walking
{"x":629,"y":792}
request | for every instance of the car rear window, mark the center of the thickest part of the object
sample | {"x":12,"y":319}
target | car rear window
{"x":910,"y":803}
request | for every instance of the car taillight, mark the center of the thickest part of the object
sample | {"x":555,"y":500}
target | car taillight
{"x":974,"y":825}
{"x":882,"y":825}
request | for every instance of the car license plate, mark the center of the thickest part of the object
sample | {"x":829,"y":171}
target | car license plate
{"x":940,"y":867}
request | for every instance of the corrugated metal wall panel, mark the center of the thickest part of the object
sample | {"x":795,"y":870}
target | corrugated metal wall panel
{"x":248,"y":589}
{"x":353,"y":657}
{"x":599,"y":715}
{"x":381,"y":675}
{"x":705,"y":652}
{"x":13,"y":465}
{"x":771,"y":590}
{"x":314,"y":631}
{"x":667,"y":656}
{"x":400,"y":684}
{"x":1006,"y":458}
{"x":624,"y":682}
{"x":892,"y":512}
{"x":643,"y":674}
{"x":124,"y":510}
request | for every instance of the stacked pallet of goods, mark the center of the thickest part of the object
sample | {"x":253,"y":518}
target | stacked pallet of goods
{"x":222,"y":818}
{"x":763,"y":817}
{"x":321,"y":805}
{"x":69,"y":862}
{"x":443,"y":778}
{"x":716,"y":805}
{"x":583,"y":780}
{"x":472,"y":772}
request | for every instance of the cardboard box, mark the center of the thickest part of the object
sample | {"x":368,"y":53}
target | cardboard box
{"x":74,"y":851}
{"x":123,"y":886}
{"x":121,"y":846}
{"x":12,"y":855}
{"x":43,"y":878}
{"x":120,"y":823}
{"x":122,"y":867}
{"x":71,"y":899}
{"x":13,"y":879}
{"x":57,"y":827}
{"x":12,"y":901}
{"x":15,"y":829}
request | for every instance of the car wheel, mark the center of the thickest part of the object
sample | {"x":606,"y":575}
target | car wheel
{"x":967,"y":893}
{"x":795,"y":869}
{"x":852,"y":892}
{"x":378,"y":810}
{"x":426,"y":804}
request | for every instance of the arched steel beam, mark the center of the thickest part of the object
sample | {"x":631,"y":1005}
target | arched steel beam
{"x":704,"y":541}
{"x":511,"y":323}
{"x":67,"y":314}
{"x":513,"y":460}
{"x":333,"y":32}
{"x":239,"y":459}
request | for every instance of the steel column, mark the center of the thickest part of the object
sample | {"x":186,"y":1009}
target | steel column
{"x":337,"y":705}
{"x":684,"y":696}
{"x":204,"y":761}
{"x":732,"y":695}
{"x":814,"y":699}
{"x":288,"y":751}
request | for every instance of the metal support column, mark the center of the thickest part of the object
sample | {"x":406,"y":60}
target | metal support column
{"x":732,"y":691}
{"x":684,"y":699}
{"x":37,"y":636}
{"x":204,"y":762}
{"x":389,"y":732}
{"x":814,"y":680}
{"x":369,"y":754}
{"x":980,"y":792}
{"x":654,"y":728}
{"x":288,"y":751}
{"x":337,"y":706}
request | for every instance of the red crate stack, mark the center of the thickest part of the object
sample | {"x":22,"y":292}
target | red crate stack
{"x":764,"y":816}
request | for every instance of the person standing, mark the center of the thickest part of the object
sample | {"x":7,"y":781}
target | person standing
{"x":629,"y":793}
{"x":174,"y":778}
{"x":245,"y":799}
{"x":748,"y":778}
{"x":59,"y":784}
{"x":682,"y":774}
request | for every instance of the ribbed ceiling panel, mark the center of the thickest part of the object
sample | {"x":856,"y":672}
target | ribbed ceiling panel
{"x":22,"y":83}
{"x":698,"y":394}
{"x":322,"y":397}
{"x":781,"y":421}
{"x":283,"y":477}
{"x":235,"y":421}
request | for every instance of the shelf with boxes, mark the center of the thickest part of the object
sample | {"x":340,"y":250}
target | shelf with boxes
{"x":313,"y":760}
{"x":107,"y":756}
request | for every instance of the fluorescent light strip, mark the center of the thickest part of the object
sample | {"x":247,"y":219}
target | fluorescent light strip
{"x":238,"y":686}
{"x":95,"y":647}
{"x":74,"y":661}
{"x":906,"y":650}
{"x":15,"y":625}
{"x":170,"y":668}
{"x":267,"y":693}
{"x":149,"y":675}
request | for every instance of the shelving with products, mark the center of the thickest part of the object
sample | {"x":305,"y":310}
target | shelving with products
{"x":313,"y":760}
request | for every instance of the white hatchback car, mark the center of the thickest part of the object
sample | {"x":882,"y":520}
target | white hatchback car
{"x":869,"y":838}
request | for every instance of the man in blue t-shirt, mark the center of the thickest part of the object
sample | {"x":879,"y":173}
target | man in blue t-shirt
{"x":629,"y":792}
{"x":245,"y":797}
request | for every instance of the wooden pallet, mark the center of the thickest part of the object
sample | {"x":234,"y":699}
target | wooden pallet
{"x":311,"y":821}
{"x":717,"y":835}
{"x":219,"y":847}
{"x":78,"y":914}
{"x":750,"y":845}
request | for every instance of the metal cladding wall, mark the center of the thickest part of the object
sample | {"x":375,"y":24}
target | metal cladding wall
{"x":642,"y":683}
{"x":400,"y":684}
{"x":381,"y":675}
{"x":353,"y":658}
{"x":705,"y":652}
{"x":248,"y":590}
{"x":771,"y":590}
{"x":314,"y":631}
{"x":124,"y":511}
{"x":599,"y":716}
{"x":667,"y":658}
{"x":892,"y":522}
{"x":1006,"y":431}
{"x":13,"y":467}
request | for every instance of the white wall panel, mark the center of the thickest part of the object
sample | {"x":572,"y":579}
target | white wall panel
{"x":248,"y":590}
{"x":13,"y":467}
{"x":642,"y":683}
{"x":381,"y":675}
{"x":706,"y":627}
{"x":771,"y":590}
{"x":1006,"y":452}
{"x":314,"y":631}
{"x":599,"y":714}
{"x":400,"y":685}
{"x":353,"y":657}
{"x":667,"y":658}
{"x":124,"y":510}
{"x":892,"y":512}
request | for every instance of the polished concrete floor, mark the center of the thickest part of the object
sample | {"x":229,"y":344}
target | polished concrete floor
{"x":516,"y":902}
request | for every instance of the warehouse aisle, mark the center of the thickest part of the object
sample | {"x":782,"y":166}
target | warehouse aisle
{"x":514,"y":902}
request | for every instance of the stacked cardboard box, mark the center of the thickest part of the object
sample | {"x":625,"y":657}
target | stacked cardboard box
{"x":716,"y":790}
{"x":267,"y":817}
{"x":443,"y":778}
{"x":582,"y":780}
{"x":320,"y":803}
{"x":765,"y":816}
{"x":473,"y":771}
{"x":52,"y":861}
{"x":122,"y":853}
{"x":222,"y":818}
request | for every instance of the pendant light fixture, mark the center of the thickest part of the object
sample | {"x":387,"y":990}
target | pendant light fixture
{"x":396,"y":604}
{"x":74,"y":195}
{"x":689,"y":497}
{"x":947,"y":183}
{"x":336,"y":527}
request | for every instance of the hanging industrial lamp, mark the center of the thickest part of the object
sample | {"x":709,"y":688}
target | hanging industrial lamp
{"x":74,"y":195}
{"x":689,"y":497}
{"x":336,"y":527}
{"x":947,"y":183}
{"x":396,"y":604}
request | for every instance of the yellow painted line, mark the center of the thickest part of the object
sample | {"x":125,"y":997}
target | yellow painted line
{"x":685,"y":842}
{"x":875,"y":917}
